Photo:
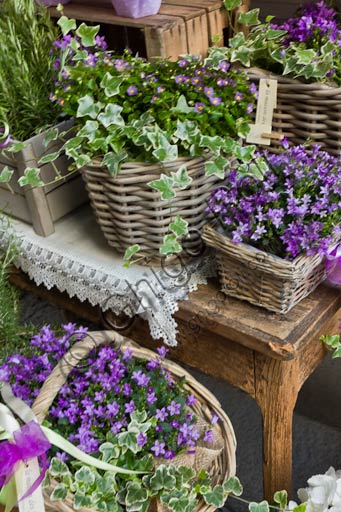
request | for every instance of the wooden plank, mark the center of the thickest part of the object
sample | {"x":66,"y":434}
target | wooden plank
{"x":170,"y":42}
{"x":14,"y":205}
{"x":67,"y":197}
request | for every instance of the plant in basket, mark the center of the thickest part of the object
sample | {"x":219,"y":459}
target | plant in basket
{"x":151,"y":138}
{"x":124,"y":427}
{"x":273,"y":234}
{"x":303,"y":55}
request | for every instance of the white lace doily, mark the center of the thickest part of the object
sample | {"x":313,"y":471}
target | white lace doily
{"x":77,"y":260}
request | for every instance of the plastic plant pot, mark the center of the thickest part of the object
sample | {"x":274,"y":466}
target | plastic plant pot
{"x":136,"y":8}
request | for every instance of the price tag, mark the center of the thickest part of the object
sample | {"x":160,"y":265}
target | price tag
{"x":24,"y":478}
{"x":260,"y":132}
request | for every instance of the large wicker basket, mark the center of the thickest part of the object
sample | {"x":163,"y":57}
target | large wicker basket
{"x":260,"y":278}
{"x":305,"y":111}
{"x":130,"y":212}
{"x":221,"y":464}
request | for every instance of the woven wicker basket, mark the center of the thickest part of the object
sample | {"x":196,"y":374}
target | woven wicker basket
{"x":131,"y":212}
{"x":219,"y":459}
{"x":305,"y":111}
{"x":261,"y":278}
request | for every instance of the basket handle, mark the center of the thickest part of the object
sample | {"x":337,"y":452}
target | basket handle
{"x":68,"y":362}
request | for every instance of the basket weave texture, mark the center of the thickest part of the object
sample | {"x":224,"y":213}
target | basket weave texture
{"x":217,"y":458}
{"x":260,"y":278}
{"x":130,"y":212}
{"x":305,"y":111}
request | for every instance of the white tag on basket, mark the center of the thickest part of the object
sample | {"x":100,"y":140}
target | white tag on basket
{"x":27,"y":474}
{"x":260,"y":132}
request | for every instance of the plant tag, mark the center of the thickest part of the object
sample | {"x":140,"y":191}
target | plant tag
{"x":267,"y":102}
{"x":24,"y":478}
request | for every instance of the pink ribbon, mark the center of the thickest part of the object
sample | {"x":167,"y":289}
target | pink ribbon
{"x":29,"y":442}
{"x":333,"y":265}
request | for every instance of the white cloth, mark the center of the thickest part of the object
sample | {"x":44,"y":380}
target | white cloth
{"x":76,"y":259}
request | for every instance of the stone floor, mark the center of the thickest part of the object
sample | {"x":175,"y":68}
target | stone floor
{"x":317,"y":419}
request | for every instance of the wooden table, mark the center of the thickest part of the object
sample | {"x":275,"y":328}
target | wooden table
{"x":267,"y":355}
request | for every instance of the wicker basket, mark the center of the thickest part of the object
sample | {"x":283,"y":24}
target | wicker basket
{"x":263,"y":279}
{"x":305,"y":111}
{"x":218,"y":460}
{"x":130,"y":212}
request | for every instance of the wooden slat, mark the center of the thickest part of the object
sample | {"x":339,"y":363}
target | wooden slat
{"x":14,"y":205}
{"x":67,"y":197}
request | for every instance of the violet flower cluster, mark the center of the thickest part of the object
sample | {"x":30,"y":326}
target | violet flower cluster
{"x":295,"y":210}
{"x":103,"y":390}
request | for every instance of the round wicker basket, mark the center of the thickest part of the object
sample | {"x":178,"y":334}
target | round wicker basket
{"x":130,"y":212}
{"x":221,"y":464}
{"x":305,"y":111}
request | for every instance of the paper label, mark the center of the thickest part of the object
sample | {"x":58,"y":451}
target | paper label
{"x":24,"y":478}
{"x":267,"y":102}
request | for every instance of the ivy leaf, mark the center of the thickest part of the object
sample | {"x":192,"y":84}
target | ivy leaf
{"x":59,"y":492}
{"x":186,"y":473}
{"x":80,"y":501}
{"x":88,"y":131}
{"x":166,"y":152}
{"x":135,"y":494}
{"x":87,"y":34}
{"x":51,"y":157}
{"x":233,"y":485}
{"x":245,"y":153}
{"x":230,"y":5}
{"x":87,"y":107}
{"x":165,"y":186}
{"x":113,"y":162}
{"x":6,"y":174}
{"x":300,"y":508}
{"x":337,"y":353}
{"x":182,"y":106}
{"x":215,"y":497}
{"x":111,"y":115}
{"x":58,"y":468}
{"x":216,"y":167}
{"x":85,"y":476}
{"x":17,"y":146}
{"x":263,"y":506}
{"x":163,"y":478}
{"x":138,"y":416}
{"x":237,"y":41}
{"x":170,"y":245}
{"x":331,"y":340}
{"x":242,"y":54}
{"x":305,"y":56}
{"x":186,"y":130}
{"x":111,"y":84}
{"x":129,"y":253}
{"x":31,"y":177}
{"x":183,"y":504}
{"x":179,"y":227}
{"x":181,"y":178}
{"x":109,"y":451}
{"x":129,"y":439}
{"x":281,"y":497}
{"x":249,"y":18}
{"x":66,"y":24}
{"x":214,"y":144}
{"x":50,"y":135}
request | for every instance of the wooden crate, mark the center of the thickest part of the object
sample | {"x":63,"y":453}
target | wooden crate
{"x":40,"y":206}
{"x":179,"y":28}
{"x":282,"y":10}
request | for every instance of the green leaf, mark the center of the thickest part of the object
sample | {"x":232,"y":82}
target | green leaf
{"x":186,"y":131}
{"x":80,"y":55}
{"x":59,"y":492}
{"x":170,"y":245}
{"x":230,"y":5}
{"x":17,"y":146}
{"x":66,"y":24}
{"x":263,"y":506}
{"x":113,"y":162}
{"x":31,"y":177}
{"x":6,"y":174}
{"x":182,"y":504}
{"x":237,"y":41}
{"x":109,"y":451}
{"x":179,"y":227}
{"x":216,"y":167}
{"x":138,"y":416}
{"x":274,"y":34}
{"x":87,"y":107}
{"x":111,"y":115}
{"x":250,"y":17}
{"x":111,"y":84}
{"x":181,"y":178}
{"x":165,"y":152}
{"x":245,"y":153}
{"x":129,"y":440}
{"x":80,"y":501}
{"x":331,"y":340}
{"x":135,"y":494}
{"x":300,"y":508}
{"x":182,"y":106}
{"x":186,"y":473}
{"x":242,"y":54}
{"x":50,"y":135}
{"x":305,"y":56}
{"x":87,"y":34}
{"x":163,"y":478}
{"x":130,"y":252}
{"x":233,"y":485}
{"x":88,"y":130}
{"x":337,"y":353}
{"x":51,"y":157}
{"x":214,"y":144}
{"x":58,"y":468}
{"x":85,"y":475}
{"x":281,"y":497}
{"x":215,"y":497}
{"x":165,"y":186}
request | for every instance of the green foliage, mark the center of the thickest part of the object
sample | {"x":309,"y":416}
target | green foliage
{"x":26,"y":78}
{"x":333,"y":343}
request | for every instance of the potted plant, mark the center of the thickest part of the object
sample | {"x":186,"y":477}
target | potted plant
{"x":273,"y":234}
{"x":303,"y":55}
{"x":136,"y":8}
{"x":26,"y":114}
{"x":151,"y":138}
{"x":141,"y":427}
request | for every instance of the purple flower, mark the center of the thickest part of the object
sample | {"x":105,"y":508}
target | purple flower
{"x":142,"y":439}
{"x":162,"y":351}
{"x":180,"y":79}
{"x":113,"y":409}
{"x":174,"y":408}
{"x":169,"y":454}
{"x":199,"y":107}
{"x":151,"y":398}
{"x":249,"y":108}
{"x":215,"y":101}
{"x":224,"y":66}
{"x":238,"y":96}
{"x":209,"y":91}
{"x":120,"y":65}
{"x":132,"y":90}
{"x":141,"y":378}
{"x":161,"y":414}
{"x":158,"y":448}
{"x":208,"y":436}
{"x":183,"y":63}
{"x":100,"y":42}
{"x":130,"y":407}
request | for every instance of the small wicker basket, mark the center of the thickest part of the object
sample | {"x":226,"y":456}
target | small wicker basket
{"x":219,"y":460}
{"x":130,"y":212}
{"x":305,"y":111}
{"x":260,"y":278}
